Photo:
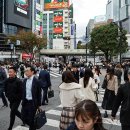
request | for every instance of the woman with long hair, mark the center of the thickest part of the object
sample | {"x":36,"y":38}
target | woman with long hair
{"x":110,"y":91}
{"x":70,"y":95}
{"x":88,"y":85}
{"x":87,"y":117}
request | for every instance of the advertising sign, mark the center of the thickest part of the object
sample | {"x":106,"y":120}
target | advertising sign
{"x":57,"y":36}
{"x":58,"y":30}
{"x":55,"y":4}
{"x":58,"y":24}
{"x":58,"y":13}
{"x":71,"y":11}
{"x":21,"y":7}
{"x":58,"y":19}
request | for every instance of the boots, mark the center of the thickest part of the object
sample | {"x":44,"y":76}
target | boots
{"x":105,"y":114}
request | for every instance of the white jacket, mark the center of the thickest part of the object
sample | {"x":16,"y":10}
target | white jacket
{"x":88,"y":92}
{"x":70,"y":94}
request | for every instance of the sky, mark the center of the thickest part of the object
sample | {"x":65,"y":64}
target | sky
{"x":85,"y":10}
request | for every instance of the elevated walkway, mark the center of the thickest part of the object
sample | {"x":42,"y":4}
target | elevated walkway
{"x":67,"y":52}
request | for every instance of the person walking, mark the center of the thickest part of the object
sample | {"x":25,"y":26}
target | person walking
{"x":110,"y":91}
{"x":88,"y":84}
{"x":87,"y":117}
{"x":123,"y":99}
{"x":44,"y":78}
{"x":70,"y":95}
{"x":118,"y":73}
{"x":31,"y":101}
{"x":13,"y":91}
{"x":3,"y":78}
{"x":75,"y":72}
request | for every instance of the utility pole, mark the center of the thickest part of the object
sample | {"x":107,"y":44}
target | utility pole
{"x":86,"y":53}
{"x":120,"y":40}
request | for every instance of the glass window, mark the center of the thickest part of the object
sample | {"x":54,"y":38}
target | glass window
{"x":38,"y":1}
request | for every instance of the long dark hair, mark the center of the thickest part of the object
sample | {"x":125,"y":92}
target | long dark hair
{"x":111,"y":72}
{"x":88,"y":73}
{"x":68,"y":77}
{"x":88,"y":109}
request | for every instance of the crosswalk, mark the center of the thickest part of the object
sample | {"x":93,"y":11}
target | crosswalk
{"x":55,"y":74}
{"x":53,"y":117}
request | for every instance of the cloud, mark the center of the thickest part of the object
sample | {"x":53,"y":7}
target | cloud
{"x":85,"y":10}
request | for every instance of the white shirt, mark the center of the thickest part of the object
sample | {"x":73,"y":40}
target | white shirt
{"x":29,"y":88}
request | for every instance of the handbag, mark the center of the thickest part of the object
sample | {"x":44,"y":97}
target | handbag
{"x":104,"y":84}
{"x":40,"y":119}
{"x":50,"y":93}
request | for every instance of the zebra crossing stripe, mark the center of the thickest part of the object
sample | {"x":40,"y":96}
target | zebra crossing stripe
{"x":53,"y":75}
{"x":56,"y":73}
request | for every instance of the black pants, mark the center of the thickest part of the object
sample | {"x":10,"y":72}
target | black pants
{"x":4,"y":99}
{"x":45,"y":96}
{"x":28,"y":114}
{"x":125,"y":127}
{"x":14,"y":112}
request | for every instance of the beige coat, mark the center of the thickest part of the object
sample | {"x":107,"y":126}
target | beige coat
{"x":70,"y":94}
{"x":88,"y":92}
{"x":112,"y":84}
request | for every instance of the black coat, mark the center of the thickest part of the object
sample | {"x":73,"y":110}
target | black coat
{"x":44,"y":78}
{"x":76,"y":75}
{"x":13,"y":89}
{"x":36,"y":92}
{"x":123,"y":99}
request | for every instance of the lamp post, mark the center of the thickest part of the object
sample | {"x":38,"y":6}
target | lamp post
{"x":86,"y":53}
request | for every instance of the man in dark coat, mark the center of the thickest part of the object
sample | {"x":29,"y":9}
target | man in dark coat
{"x":3,"y":78}
{"x":45,"y":81}
{"x":13,"y":91}
{"x":123,"y":99}
{"x":31,"y":101}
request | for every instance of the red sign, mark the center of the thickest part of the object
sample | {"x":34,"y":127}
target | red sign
{"x":58,"y":19}
{"x":26,"y":56}
{"x":58,"y":30}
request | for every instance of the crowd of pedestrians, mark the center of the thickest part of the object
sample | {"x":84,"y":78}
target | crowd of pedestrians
{"x":28,"y":84}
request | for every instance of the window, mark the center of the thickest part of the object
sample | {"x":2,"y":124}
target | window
{"x":38,"y":1}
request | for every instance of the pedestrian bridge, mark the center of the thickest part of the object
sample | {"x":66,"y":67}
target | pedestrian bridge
{"x":68,"y":52}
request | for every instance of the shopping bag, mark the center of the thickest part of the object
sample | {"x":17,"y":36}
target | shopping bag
{"x":40,"y":119}
{"x":50,"y":93}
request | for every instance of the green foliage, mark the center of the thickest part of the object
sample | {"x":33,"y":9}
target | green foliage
{"x":106,"y":38}
{"x":80,"y":46}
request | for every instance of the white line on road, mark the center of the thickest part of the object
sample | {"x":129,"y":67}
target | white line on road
{"x":54,"y":75}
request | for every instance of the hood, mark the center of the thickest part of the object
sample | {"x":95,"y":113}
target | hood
{"x":70,"y":86}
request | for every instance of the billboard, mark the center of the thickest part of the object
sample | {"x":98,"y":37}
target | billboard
{"x":18,"y":13}
{"x":55,"y":4}
{"x":58,"y":24}
{"x":57,"y":36}
{"x":21,"y":7}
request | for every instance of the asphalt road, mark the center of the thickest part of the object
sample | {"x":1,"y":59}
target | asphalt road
{"x":53,"y":110}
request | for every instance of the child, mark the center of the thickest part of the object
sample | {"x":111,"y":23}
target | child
{"x":87,"y":117}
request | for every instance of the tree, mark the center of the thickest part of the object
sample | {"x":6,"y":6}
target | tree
{"x":106,"y":39}
{"x":80,"y":46}
{"x":29,"y":41}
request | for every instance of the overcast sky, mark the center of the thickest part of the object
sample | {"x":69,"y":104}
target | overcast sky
{"x":85,"y":10}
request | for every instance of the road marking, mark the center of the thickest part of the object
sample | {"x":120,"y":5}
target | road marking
{"x":53,"y":123}
{"x":54,"y":112}
{"x":54,"y":75}
{"x":21,"y":128}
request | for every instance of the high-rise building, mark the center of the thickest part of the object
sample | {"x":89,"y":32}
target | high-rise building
{"x":58,"y":25}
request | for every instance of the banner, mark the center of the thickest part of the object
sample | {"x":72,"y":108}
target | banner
{"x":21,"y":7}
{"x":55,"y":4}
{"x":58,"y":30}
{"x":58,"y":19}
{"x":58,"y":13}
{"x":57,"y":36}
{"x":58,"y":24}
